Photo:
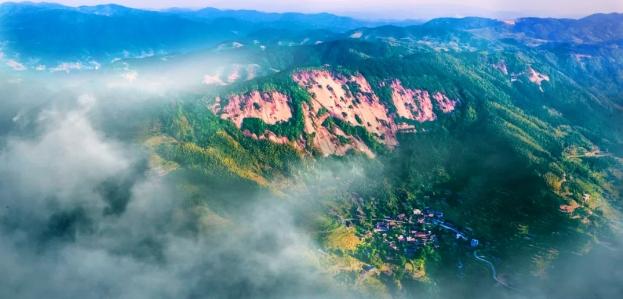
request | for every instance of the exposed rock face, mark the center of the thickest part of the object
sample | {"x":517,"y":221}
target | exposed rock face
{"x":536,"y":77}
{"x":413,"y":104}
{"x":328,"y":141}
{"x":271,"y":107}
{"x":445,"y":104}
{"x":416,"y":104}
{"x":349,"y":99}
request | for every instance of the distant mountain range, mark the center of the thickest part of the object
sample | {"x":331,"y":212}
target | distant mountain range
{"x":597,"y":28}
{"x":41,"y":32}
{"x":52,"y":30}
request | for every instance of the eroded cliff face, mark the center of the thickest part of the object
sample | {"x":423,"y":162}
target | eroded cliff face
{"x":532,"y":75}
{"x":445,"y":104}
{"x":537,"y":78}
{"x":333,"y":140}
{"x":349,"y":99}
{"x":417,"y":104}
{"x":271,"y":107}
{"x":413,"y":104}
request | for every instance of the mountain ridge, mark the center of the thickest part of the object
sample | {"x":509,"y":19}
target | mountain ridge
{"x":408,"y":157}
{"x":27,"y":29}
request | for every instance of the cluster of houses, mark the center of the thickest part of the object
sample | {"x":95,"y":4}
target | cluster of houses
{"x":408,"y":233}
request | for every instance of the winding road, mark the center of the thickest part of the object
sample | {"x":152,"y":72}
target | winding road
{"x":494,"y":274}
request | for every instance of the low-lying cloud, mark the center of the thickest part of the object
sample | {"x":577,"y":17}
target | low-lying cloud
{"x":83,"y":217}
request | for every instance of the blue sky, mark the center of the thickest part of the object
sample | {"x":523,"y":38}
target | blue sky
{"x":392,"y":8}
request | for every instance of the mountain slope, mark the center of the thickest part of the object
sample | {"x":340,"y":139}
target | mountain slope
{"x":456,"y":131}
{"x":442,"y":150}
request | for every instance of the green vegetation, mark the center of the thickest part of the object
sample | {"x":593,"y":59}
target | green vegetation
{"x":506,"y":164}
{"x":294,"y":127}
{"x":214,"y":146}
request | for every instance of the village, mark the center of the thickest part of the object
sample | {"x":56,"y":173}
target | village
{"x":406,"y":234}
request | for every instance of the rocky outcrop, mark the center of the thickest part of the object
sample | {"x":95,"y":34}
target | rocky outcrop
{"x":536,"y":77}
{"x":350,"y":99}
{"x":338,"y":103}
{"x":445,"y":104}
{"x":331,"y":141}
{"x":271,"y":107}
{"x":417,"y":104}
{"x":413,"y":104}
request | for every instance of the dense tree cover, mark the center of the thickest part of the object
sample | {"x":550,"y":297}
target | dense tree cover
{"x":205,"y":141}
{"x":470,"y":163}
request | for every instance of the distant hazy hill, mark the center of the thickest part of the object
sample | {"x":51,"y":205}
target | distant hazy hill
{"x":51,"y":30}
{"x":598,"y":28}
{"x":592,"y":29}
{"x":595,"y":28}
{"x":280,"y":20}
{"x":462,"y":24}
{"x":55,"y":32}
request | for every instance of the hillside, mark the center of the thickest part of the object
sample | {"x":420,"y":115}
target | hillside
{"x":249,"y":154}
{"x":456,"y":131}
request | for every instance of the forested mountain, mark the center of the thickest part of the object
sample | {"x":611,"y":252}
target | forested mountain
{"x":54,"y":31}
{"x":592,"y":29}
{"x":452,"y":126}
{"x":455,"y":158}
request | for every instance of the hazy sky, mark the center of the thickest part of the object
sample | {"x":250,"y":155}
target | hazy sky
{"x":392,"y":8}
